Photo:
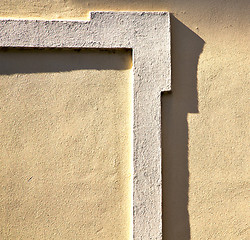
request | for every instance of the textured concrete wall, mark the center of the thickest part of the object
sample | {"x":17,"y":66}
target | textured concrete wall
{"x":205,"y":121}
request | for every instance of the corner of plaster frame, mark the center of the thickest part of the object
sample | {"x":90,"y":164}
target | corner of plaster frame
{"x":148,"y":35}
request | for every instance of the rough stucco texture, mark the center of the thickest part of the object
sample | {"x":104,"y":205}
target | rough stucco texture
{"x":205,"y":118}
{"x":65,"y":149}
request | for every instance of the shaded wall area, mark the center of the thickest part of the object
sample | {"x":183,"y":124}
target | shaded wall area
{"x":176,"y":105}
{"x":21,"y":60}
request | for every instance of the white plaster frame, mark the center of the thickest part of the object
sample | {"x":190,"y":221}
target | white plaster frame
{"x":148,"y":35}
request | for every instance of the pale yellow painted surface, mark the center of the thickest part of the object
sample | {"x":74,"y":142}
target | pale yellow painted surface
{"x":65,"y":149}
{"x":205,"y":119}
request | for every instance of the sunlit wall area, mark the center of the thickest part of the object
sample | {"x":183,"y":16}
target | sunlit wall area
{"x":65,"y":144}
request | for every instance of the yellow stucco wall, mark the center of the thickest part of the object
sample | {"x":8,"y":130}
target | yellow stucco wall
{"x":65,"y":145}
{"x":205,"y":120}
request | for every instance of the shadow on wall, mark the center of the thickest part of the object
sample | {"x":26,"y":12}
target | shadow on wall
{"x":186,"y":49}
{"x":19,"y":60}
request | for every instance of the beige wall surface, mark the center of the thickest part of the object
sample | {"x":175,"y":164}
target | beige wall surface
{"x":65,"y":145}
{"x":205,"y":117}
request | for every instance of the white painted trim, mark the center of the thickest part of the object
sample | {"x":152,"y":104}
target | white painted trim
{"x":148,"y":35}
